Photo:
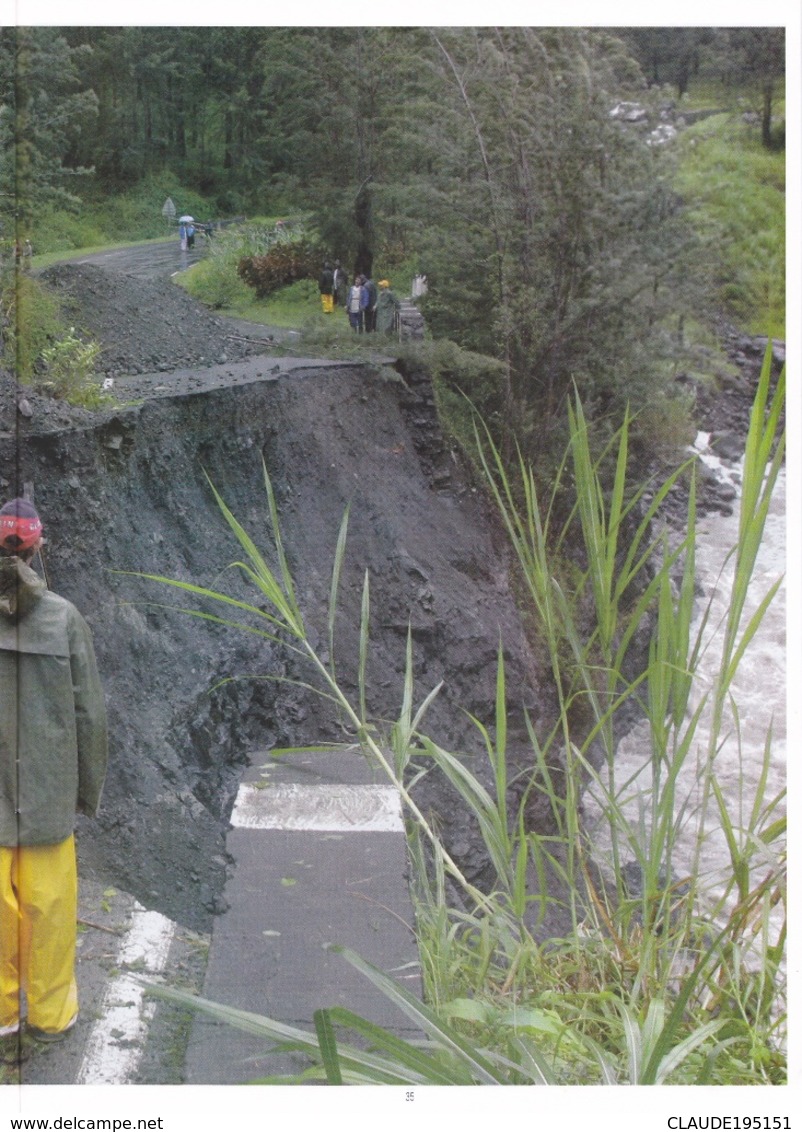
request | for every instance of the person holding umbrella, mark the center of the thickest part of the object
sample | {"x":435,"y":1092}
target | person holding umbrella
{"x":186,"y":232}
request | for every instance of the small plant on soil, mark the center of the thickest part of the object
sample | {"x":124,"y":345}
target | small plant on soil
{"x":70,"y":369}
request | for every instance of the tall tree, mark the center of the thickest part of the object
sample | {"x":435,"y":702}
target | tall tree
{"x":330,"y":95}
{"x":44,"y":106}
{"x":757,"y":58}
{"x":552,"y":234}
{"x":668,"y":55}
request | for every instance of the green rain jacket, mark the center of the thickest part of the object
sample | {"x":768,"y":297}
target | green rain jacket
{"x":387,"y":310}
{"x":53,"y":738}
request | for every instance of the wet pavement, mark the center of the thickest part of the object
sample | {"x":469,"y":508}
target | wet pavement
{"x":122,"y":1036}
{"x":154,"y":260}
{"x":320,"y":858}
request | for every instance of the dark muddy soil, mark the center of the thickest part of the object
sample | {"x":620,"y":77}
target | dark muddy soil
{"x":125,"y":489}
{"x":144,"y":325}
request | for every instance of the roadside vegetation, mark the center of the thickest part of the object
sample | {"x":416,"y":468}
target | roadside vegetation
{"x":226,"y":279}
{"x":101,"y":220}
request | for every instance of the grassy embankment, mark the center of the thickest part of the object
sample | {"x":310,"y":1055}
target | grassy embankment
{"x":734,"y":191}
{"x":100,"y":221}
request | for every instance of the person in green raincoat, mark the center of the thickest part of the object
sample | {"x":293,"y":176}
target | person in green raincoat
{"x":53,"y":753}
{"x":387,"y":308}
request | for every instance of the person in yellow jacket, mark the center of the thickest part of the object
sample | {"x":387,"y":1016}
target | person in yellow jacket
{"x":53,"y":756}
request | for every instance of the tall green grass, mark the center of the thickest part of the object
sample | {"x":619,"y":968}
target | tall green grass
{"x":734,"y":191}
{"x":30,"y":319}
{"x":664,"y":984}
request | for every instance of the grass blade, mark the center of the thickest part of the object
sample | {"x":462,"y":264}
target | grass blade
{"x":327,"y":1041}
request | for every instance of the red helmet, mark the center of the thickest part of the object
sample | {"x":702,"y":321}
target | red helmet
{"x":20,"y":526}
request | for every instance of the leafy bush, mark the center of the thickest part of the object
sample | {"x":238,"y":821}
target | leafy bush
{"x":37,"y":347}
{"x":285,"y":263}
{"x":664,"y":426}
{"x":214,"y":281}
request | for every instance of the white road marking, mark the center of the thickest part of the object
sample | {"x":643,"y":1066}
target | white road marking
{"x":341,"y":809}
{"x":115,"y":1043}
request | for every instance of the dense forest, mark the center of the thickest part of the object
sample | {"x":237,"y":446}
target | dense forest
{"x":552,"y":235}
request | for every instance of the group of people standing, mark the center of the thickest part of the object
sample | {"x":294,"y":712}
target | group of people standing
{"x":370,"y":306}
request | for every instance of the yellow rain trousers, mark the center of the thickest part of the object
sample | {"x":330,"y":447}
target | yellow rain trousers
{"x":38,"y":916}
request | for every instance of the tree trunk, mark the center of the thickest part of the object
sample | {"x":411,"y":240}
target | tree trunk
{"x":363,"y":216}
{"x":228,"y":156}
{"x":765,"y":125}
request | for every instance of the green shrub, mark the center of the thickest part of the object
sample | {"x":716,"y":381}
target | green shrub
{"x":664,"y":426}
{"x":214,"y":282}
{"x":266,"y":252}
{"x":30,"y":320}
{"x":70,"y":369}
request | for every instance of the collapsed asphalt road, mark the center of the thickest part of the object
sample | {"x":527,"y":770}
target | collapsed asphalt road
{"x":132,"y":487}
